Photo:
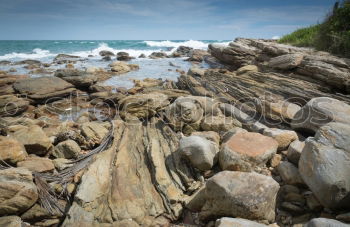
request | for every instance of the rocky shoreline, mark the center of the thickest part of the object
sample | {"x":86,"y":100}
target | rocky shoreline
{"x":261,"y":138}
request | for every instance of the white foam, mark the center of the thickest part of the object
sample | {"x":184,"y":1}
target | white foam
{"x":36,"y":54}
{"x":104,"y":46}
{"x":190,"y":43}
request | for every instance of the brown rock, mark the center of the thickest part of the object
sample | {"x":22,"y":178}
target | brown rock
{"x":37,"y":164}
{"x":17,"y":191}
{"x":34,"y":140}
{"x":243,"y":151}
{"x":11,"y":150}
{"x":283,"y":137}
{"x":11,"y":221}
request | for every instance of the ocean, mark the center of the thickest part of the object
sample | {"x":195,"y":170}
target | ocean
{"x":46,"y":50}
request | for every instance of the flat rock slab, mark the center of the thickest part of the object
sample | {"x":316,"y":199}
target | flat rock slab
{"x":43,"y":88}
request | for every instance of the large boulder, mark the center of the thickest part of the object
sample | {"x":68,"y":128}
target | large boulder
{"x":34,"y":139}
{"x":143,"y":105}
{"x":237,"y":54}
{"x":80,"y":79}
{"x":11,"y":105}
{"x":11,"y":151}
{"x":17,"y":191}
{"x":199,"y":151}
{"x":239,"y":194}
{"x":325,"y":165}
{"x":324,"y":222}
{"x":245,"y":150}
{"x":156,"y":55}
{"x":182,"y":51}
{"x":320,"y":111}
{"x":237,"y":222}
{"x":43,"y":89}
{"x":197,"y":55}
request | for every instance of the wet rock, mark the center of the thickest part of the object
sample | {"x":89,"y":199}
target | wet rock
{"x":11,"y":105}
{"x":344,"y":217}
{"x":182,"y":51}
{"x":11,"y":151}
{"x":18,"y":192}
{"x":283,"y":137}
{"x":11,"y":221}
{"x":65,"y":58}
{"x":197,"y":55}
{"x":286,"y":62}
{"x":78,"y":78}
{"x":325,"y":165}
{"x":199,"y":151}
{"x":322,"y":222}
{"x":143,"y":105}
{"x":156,"y":55}
{"x":107,"y":58}
{"x":237,"y":222}
{"x":289,"y":173}
{"x":4,"y":62}
{"x":245,"y":150}
{"x":44,"y":88}
{"x":28,"y":62}
{"x":313,"y":203}
{"x":231,"y":194}
{"x":294,"y":151}
{"x":123,"y":56}
{"x":320,"y":111}
{"x":37,"y":164}
{"x":34,"y":139}
{"x":68,"y":149}
{"x":142,"y":56}
{"x":292,"y":208}
{"x":104,"y":53}
{"x":122,"y":67}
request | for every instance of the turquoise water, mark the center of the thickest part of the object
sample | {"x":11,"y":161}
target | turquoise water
{"x":88,"y":50}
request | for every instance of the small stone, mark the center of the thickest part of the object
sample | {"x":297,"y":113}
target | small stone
{"x":313,"y":203}
{"x":283,"y":137}
{"x":290,"y":207}
{"x":68,"y":149}
{"x":275,"y":161}
{"x":324,"y":222}
{"x":289,"y":173}
{"x":247,"y":68}
{"x":61,"y":163}
{"x":295,"y":198}
{"x":294,"y":151}
{"x":237,"y":222}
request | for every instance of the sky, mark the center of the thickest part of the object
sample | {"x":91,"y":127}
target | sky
{"x":156,"y":19}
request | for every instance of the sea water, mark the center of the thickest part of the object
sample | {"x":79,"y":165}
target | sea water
{"x":46,"y":50}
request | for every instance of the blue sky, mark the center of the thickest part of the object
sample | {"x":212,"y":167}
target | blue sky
{"x":156,"y":19}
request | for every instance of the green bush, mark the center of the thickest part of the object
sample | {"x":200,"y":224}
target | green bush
{"x":333,"y":35}
{"x":304,"y":37}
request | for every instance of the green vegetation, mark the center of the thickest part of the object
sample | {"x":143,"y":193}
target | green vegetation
{"x":333,"y":35}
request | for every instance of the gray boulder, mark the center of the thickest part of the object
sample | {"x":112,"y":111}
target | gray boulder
{"x":199,"y":151}
{"x":324,"y":222}
{"x":325,"y":165}
{"x":320,"y":111}
{"x":239,"y":194}
{"x":123,"y":56}
{"x":289,"y":173}
{"x":237,"y":222}
{"x":105,"y":53}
